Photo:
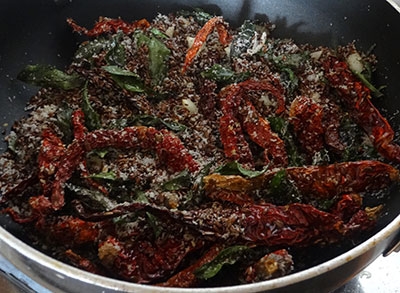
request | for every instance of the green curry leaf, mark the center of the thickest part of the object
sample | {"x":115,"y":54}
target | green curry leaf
{"x":223,"y":75}
{"x":182,"y":180}
{"x":234,"y":168}
{"x":92,"y":118}
{"x":229,"y":255}
{"x":48,"y":76}
{"x":125,"y":79}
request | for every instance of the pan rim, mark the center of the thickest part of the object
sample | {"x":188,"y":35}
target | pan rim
{"x":12,"y":244}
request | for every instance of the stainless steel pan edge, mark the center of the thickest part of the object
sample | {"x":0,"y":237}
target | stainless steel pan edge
{"x":60,"y":277}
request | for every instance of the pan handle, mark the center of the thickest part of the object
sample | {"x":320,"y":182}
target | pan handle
{"x":394,"y":246}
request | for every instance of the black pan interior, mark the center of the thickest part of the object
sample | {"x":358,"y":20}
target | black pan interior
{"x":36,"y":32}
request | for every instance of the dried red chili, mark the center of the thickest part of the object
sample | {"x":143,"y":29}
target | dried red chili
{"x":201,"y":38}
{"x":145,"y":261}
{"x":273,"y":265}
{"x":186,"y":278}
{"x":260,"y":132}
{"x":82,"y":263}
{"x":357,"y":99}
{"x":316,"y":181}
{"x":306,"y":118}
{"x":108,"y":25}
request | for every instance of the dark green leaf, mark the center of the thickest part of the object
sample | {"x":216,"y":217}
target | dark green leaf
{"x":92,"y":119}
{"x":289,"y":79}
{"x":149,"y":120}
{"x":281,"y":127}
{"x":64,"y":123}
{"x":141,"y":196}
{"x":104,"y":176}
{"x":116,"y":70}
{"x":87,"y":50}
{"x":195,"y":193}
{"x":100,"y":152}
{"x":224,"y":75}
{"x":48,"y":76}
{"x":153,"y":223}
{"x":157,"y":33}
{"x":229,"y":255}
{"x":234,"y":168}
{"x":376,"y":92}
{"x":125,"y":78}
{"x":12,"y":142}
{"x":198,"y":14}
{"x":182,"y":180}
{"x":277,"y":181}
{"x":242,"y":41}
{"x":354,"y":138}
{"x":158,"y":60}
{"x":158,"y":57}
{"x":116,"y":56}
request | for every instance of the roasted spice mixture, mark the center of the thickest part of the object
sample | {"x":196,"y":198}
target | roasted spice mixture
{"x":170,"y":150}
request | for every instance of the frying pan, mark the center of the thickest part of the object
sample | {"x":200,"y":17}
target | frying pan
{"x":36,"y":32}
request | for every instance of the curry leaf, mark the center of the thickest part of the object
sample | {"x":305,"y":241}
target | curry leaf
{"x":157,"y":33}
{"x":149,"y":120}
{"x":198,"y":14}
{"x":242,"y":41}
{"x":12,"y":142}
{"x":281,"y":127}
{"x":158,"y":57}
{"x":234,"y":168}
{"x":153,"y":223}
{"x":277,"y":181}
{"x":116,"y":56}
{"x":92,"y":118}
{"x":376,"y":92}
{"x":125,"y":78}
{"x":104,"y":175}
{"x":224,"y":75}
{"x":64,"y":123}
{"x":87,"y":50}
{"x":195,"y":193}
{"x":182,"y":180}
{"x":141,"y":197}
{"x":229,"y":255}
{"x":48,"y":76}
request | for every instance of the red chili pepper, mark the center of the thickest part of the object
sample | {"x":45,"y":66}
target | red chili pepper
{"x":263,"y":224}
{"x":82,"y":263}
{"x":67,"y":165}
{"x":232,"y":138}
{"x":260,"y":132}
{"x":78,"y":122}
{"x":145,"y":261}
{"x":357,"y":99}
{"x":201,"y":38}
{"x":273,"y":265}
{"x":252,"y":85}
{"x":186,"y":278}
{"x":331,"y":124}
{"x":238,"y":198}
{"x":316,"y":181}
{"x":51,"y":151}
{"x":168,"y":147}
{"x":347,"y":206}
{"x":107,"y":25}
{"x":306,"y":118}
{"x":336,"y":179}
{"x":70,"y":231}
